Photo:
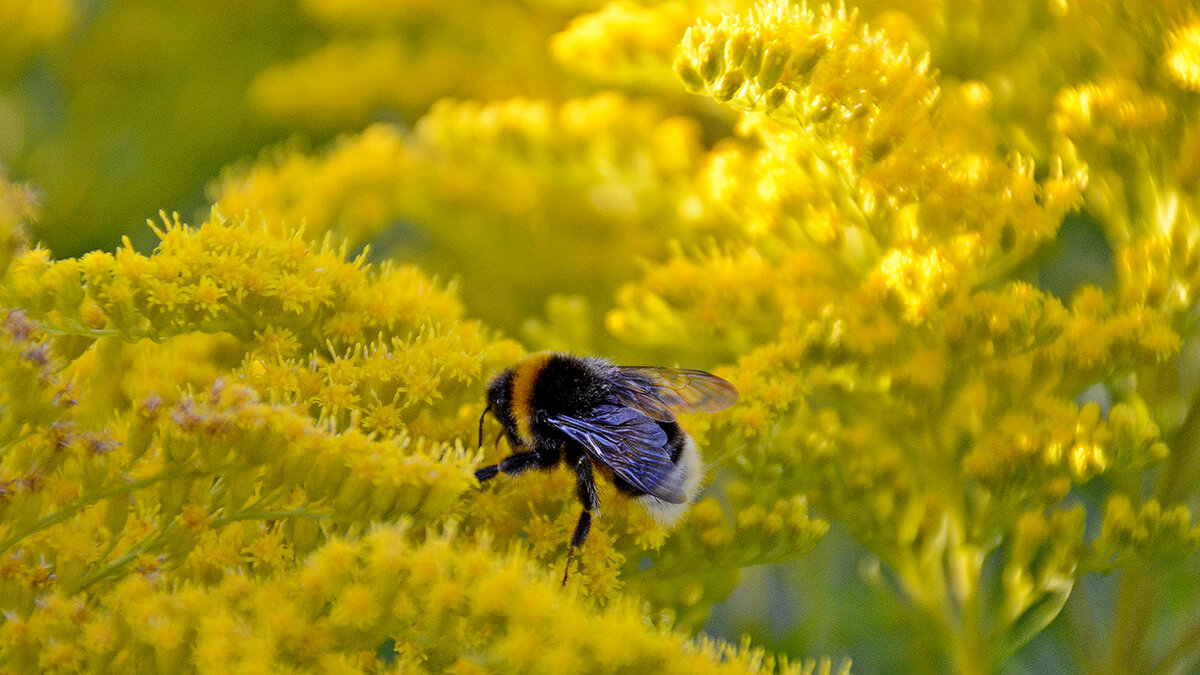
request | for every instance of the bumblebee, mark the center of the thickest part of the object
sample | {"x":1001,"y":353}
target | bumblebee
{"x":597,"y":416}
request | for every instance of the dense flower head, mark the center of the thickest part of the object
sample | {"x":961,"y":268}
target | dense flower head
{"x":932,"y":405}
{"x":231,"y":276}
{"x":601,"y":177}
{"x":452,"y":589}
{"x":624,"y":43}
{"x":367,"y":60}
{"x":145,"y":478}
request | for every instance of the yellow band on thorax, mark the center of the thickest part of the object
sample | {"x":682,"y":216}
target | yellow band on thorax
{"x":525,"y":375}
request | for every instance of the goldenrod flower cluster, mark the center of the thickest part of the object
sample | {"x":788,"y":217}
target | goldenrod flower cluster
{"x":461,"y":606}
{"x":160,"y":498}
{"x":248,"y":445}
{"x":934,"y":406}
{"x":404,"y":55}
{"x":607,"y":177}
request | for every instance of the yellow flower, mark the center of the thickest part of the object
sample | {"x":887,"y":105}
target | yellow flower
{"x":623,"y":43}
{"x":355,"y":606}
{"x":1183,"y":56}
{"x":267,"y":551}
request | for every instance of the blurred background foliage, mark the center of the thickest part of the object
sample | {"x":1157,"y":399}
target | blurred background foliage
{"x":544,"y":159}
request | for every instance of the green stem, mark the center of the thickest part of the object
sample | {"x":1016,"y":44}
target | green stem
{"x":154,"y":540}
{"x":968,"y":659}
{"x":271,"y":515}
{"x":77,"y":506}
{"x":924,"y":581}
{"x":1181,"y":466}
{"x":1183,"y":654}
{"x":147,"y":543}
{"x":1079,"y":615}
{"x":975,"y":653}
{"x":1135,"y":592}
{"x":1129,"y":626}
{"x":79,"y":330}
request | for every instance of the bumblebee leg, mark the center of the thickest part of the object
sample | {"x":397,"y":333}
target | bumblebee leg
{"x":586,"y":488}
{"x":585,"y":485}
{"x":511,"y":465}
{"x":582,"y":527}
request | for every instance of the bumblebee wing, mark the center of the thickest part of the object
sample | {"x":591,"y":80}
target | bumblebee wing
{"x":629,"y":443}
{"x":663,"y":393}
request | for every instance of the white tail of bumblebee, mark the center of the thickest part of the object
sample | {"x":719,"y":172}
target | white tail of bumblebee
{"x":688,"y":472}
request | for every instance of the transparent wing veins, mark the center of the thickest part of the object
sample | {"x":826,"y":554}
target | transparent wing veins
{"x":663,"y":393}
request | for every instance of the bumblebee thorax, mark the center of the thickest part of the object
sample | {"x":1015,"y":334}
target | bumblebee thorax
{"x":550,"y":383}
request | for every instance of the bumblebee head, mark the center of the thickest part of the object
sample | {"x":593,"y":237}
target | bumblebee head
{"x":499,"y":391}
{"x":499,"y":401}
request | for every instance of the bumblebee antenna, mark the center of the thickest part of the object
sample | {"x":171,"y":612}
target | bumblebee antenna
{"x":485,"y":412}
